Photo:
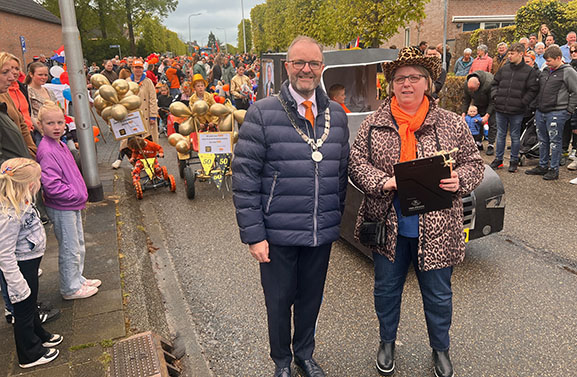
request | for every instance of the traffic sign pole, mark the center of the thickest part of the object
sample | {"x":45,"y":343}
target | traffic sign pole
{"x":23,"y":46}
{"x":119,"y":52}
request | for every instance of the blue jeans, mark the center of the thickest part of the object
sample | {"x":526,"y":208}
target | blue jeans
{"x":550,"y":134}
{"x":512,"y":122}
{"x":435,"y":289}
{"x":71,"y":251}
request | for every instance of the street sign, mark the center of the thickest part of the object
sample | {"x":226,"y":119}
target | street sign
{"x":114,"y":46}
{"x":23,"y":43}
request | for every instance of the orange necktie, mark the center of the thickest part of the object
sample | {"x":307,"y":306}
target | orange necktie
{"x":309,"y":112}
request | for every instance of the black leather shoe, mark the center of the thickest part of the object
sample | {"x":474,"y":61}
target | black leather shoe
{"x":386,"y":359}
{"x":282,"y":372}
{"x":443,"y":366}
{"x":310,"y":368}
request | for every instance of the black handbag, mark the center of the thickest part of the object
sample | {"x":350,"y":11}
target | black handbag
{"x":372,"y":233}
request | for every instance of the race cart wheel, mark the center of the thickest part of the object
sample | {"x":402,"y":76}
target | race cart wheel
{"x":189,"y":178}
{"x":138,"y":188}
{"x":181,"y":167}
{"x":164,"y":173}
{"x":172,"y":183}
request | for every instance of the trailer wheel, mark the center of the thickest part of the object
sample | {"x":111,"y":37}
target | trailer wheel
{"x":181,"y":167}
{"x":138,"y":189}
{"x":189,"y":178}
{"x":172,"y":183}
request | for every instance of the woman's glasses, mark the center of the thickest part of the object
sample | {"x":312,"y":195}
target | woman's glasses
{"x":413,"y":79}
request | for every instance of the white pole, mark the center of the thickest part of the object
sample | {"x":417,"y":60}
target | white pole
{"x":243,"y":29}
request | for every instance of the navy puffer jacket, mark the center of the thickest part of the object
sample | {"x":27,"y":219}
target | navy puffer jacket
{"x":281,"y":195}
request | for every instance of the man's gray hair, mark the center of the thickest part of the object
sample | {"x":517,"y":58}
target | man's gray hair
{"x":568,"y":34}
{"x":482,"y":47}
{"x":502,"y":44}
{"x":540,"y":44}
{"x":467,"y":51}
{"x":304,"y":38}
{"x":523,"y":39}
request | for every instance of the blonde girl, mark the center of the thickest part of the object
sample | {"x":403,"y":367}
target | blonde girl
{"x":22,"y":245}
{"x":65,"y":196}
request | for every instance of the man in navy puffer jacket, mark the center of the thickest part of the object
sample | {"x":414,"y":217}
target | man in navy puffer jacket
{"x":289,"y":185}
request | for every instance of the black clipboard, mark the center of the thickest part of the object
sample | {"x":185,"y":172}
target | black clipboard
{"x":418,"y":185}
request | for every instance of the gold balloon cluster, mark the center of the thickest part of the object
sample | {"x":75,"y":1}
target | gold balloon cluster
{"x":226,"y":113}
{"x":117,"y":100}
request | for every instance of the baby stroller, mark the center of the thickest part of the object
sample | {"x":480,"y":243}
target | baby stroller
{"x":529,"y":142}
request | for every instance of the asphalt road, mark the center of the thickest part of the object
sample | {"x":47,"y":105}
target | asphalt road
{"x":515,"y":296}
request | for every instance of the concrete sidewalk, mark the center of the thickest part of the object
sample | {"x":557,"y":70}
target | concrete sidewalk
{"x":89,"y":326}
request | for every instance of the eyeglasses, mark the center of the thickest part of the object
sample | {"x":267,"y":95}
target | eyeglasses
{"x":413,"y":79}
{"x":300,"y":64}
{"x":573,"y":51}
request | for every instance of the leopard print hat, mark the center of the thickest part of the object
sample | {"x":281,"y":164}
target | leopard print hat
{"x":413,"y":56}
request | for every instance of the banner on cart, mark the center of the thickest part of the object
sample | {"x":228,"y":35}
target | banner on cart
{"x":130,"y":126}
{"x":215,"y":142}
{"x":222,"y":163}
{"x":206,"y":160}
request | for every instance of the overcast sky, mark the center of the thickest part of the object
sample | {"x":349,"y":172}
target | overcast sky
{"x":214,"y":14}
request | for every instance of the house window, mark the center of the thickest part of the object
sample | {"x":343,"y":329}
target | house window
{"x":470,"y":26}
{"x":492,"y":25}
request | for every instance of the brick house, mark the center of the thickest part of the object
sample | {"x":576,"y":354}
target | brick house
{"x":41,"y":29}
{"x":462,"y":15}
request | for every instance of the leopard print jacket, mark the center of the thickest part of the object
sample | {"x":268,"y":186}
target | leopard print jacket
{"x":441,"y":236}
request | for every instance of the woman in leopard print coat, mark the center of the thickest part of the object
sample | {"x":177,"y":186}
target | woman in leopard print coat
{"x":407,"y":126}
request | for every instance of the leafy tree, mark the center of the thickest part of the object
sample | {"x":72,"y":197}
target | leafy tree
{"x":247,"y":26}
{"x":137,"y":10}
{"x":551,"y":12}
{"x":275,"y":19}
{"x":375,"y":21}
{"x":211,"y":42}
{"x":257,"y":16}
{"x":277,"y":22}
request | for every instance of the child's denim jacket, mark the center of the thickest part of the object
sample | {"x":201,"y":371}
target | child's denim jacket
{"x":21,"y":238}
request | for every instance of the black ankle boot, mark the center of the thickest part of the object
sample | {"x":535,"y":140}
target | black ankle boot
{"x":386,"y":359}
{"x":443,"y":366}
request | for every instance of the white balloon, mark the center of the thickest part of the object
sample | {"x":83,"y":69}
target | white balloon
{"x":56,"y":71}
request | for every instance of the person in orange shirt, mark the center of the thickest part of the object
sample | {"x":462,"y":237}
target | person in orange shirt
{"x":142,"y":148}
{"x":337,"y":93}
{"x":174,"y":75}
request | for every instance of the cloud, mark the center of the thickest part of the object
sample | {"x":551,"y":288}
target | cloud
{"x":214,"y":16}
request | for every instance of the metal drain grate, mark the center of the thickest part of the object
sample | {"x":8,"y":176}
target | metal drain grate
{"x":143,"y":355}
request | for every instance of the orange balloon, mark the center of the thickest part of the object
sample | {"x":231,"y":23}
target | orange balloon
{"x":226,"y":87}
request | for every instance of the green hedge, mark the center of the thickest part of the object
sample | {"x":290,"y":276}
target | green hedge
{"x":451,"y":96}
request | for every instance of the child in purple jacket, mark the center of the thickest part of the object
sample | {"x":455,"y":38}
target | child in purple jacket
{"x":65,"y":195}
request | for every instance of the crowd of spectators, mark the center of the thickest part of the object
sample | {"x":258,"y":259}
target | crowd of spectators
{"x":531,"y":86}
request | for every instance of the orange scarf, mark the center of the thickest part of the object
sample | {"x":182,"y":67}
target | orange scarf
{"x":408,"y":124}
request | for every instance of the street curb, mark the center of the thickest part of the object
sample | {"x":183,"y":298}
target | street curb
{"x":175,"y":301}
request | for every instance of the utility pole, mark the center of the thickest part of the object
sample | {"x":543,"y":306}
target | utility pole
{"x":243,"y":29}
{"x":445,"y":37}
{"x":75,"y":64}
